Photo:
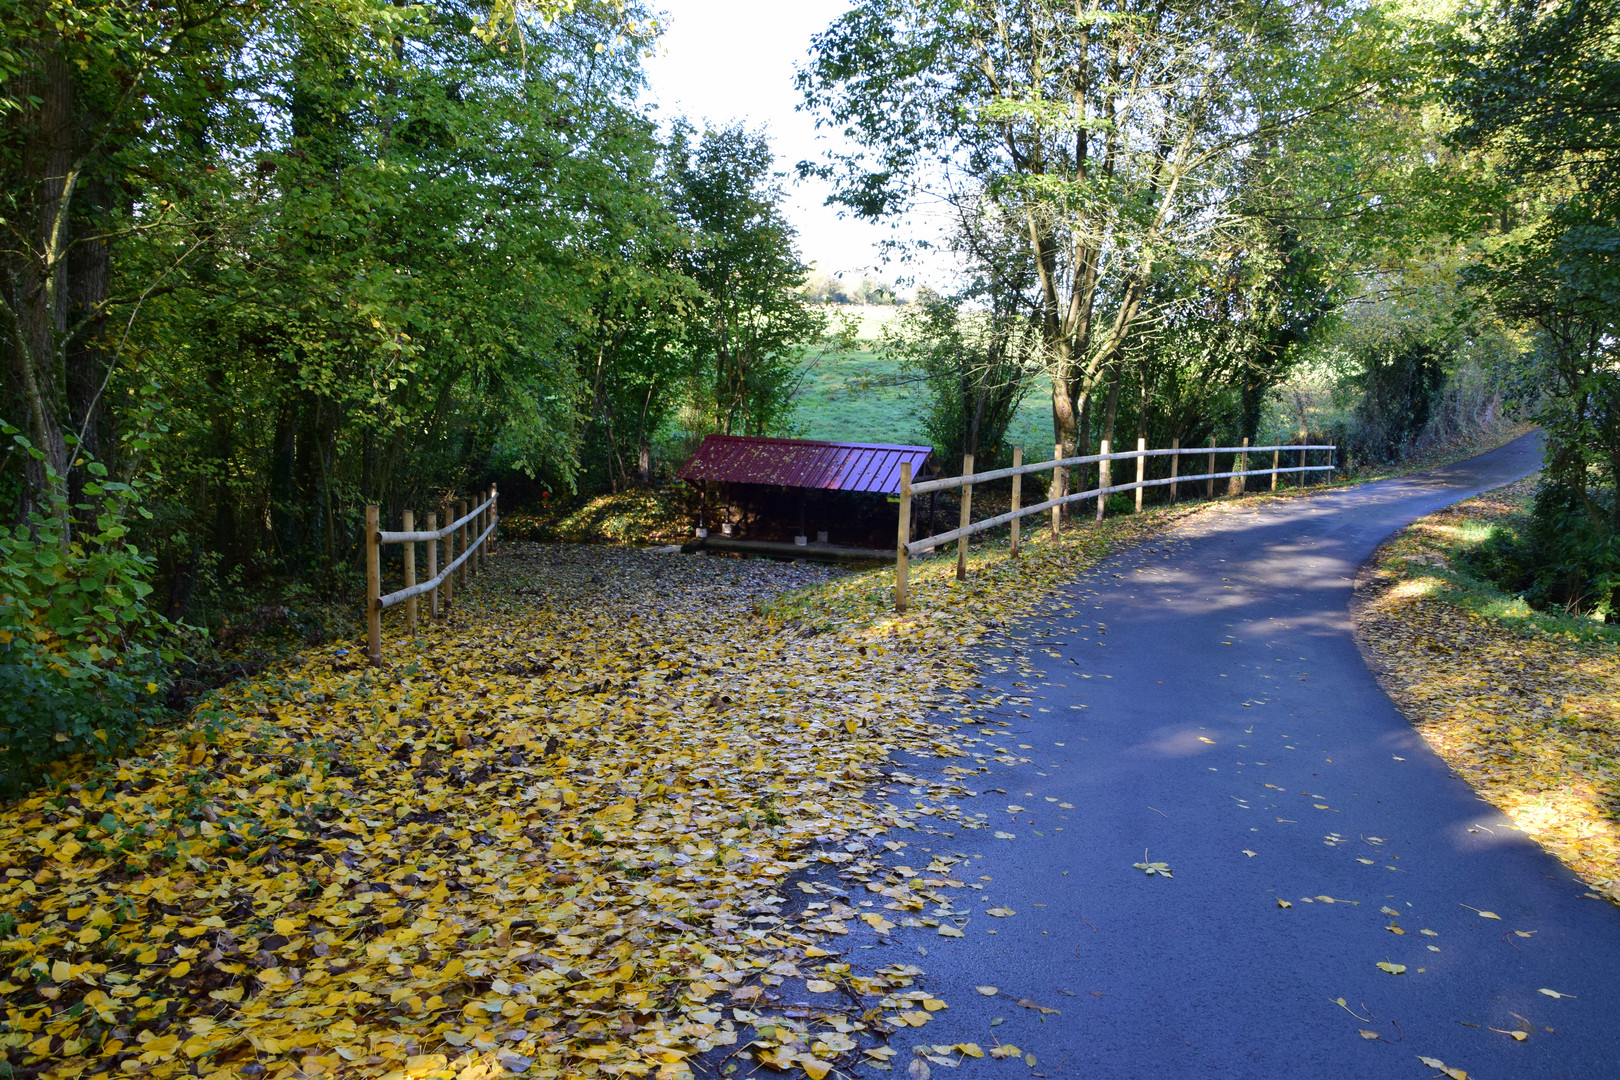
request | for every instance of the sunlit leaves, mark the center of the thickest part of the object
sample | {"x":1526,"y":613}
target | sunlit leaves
{"x":1526,"y":715}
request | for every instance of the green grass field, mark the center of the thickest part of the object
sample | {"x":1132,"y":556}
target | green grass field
{"x":843,"y":397}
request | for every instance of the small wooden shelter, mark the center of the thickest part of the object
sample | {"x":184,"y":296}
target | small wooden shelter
{"x":769,"y":493}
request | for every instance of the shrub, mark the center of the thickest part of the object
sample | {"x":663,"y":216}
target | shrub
{"x":83,"y":662}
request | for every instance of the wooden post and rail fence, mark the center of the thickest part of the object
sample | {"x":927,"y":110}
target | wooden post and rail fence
{"x":1059,"y":464}
{"x":463,"y":553}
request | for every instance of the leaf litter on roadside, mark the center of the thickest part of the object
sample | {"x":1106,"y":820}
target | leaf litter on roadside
{"x":551,"y":836}
{"x":1530,"y":718}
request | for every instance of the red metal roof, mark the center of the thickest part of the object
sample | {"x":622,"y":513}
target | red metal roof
{"x":806,"y":463}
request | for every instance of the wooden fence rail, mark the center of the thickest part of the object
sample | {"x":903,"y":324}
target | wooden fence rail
{"x":441,"y":584}
{"x":906,"y":547}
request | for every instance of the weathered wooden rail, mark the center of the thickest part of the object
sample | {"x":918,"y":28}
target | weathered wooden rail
{"x":441,"y":584}
{"x":907,"y":547}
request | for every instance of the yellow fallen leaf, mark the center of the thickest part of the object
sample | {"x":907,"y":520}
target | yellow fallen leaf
{"x":820,"y":986}
{"x":949,"y":931}
{"x":970,"y":1049}
{"x":1436,"y":1063}
{"x":1365,"y":1034}
{"x":179,"y":969}
{"x":1001,"y":912}
{"x":1553,"y":993}
{"x":1006,"y":1050}
{"x":814,"y":1067}
{"x":987,"y":991}
{"x":1284,"y":903}
{"x":1393,"y":969}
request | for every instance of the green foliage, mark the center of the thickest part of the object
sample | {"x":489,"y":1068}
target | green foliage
{"x":1539,"y":87}
{"x":83,"y":657}
{"x":751,"y":323}
{"x":974,"y":367}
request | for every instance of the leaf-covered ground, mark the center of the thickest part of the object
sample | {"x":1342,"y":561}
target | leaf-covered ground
{"x":1525,"y":708}
{"x":625,"y":813}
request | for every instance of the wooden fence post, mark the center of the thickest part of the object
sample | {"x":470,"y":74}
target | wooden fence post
{"x":1211,"y":469}
{"x":1240,"y":462}
{"x":449,"y":555}
{"x":1175,"y":465}
{"x":967,"y":517}
{"x":461,"y":512}
{"x":1057,"y":489}
{"x":408,"y":524}
{"x":1018,"y":490}
{"x":1104,"y":478}
{"x":1276,"y":463}
{"x":494,"y":517}
{"x":373,"y":590}
{"x":433,"y":567}
{"x":902,"y":557}
{"x":1141,"y":471}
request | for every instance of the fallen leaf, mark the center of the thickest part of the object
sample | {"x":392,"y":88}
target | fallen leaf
{"x":1553,"y":993}
{"x":820,"y":986}
{"x":1365,"y":1034}
{"x":1284,"y":903}
{"x":1436,"y":1063}
{"x":1393,"y":969}
{"x":987,"y":991}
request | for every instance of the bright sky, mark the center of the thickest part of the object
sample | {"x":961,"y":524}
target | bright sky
{"x":726,"y":60}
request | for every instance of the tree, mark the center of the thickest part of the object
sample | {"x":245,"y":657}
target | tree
{"x":1106,"y":128}
{"x":1539,"y":86}
{"x":751,"y":322}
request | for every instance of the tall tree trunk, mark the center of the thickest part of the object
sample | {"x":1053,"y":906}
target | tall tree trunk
{"x":41,"y":300}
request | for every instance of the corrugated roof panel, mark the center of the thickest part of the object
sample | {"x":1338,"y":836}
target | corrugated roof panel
{"x":806,"y":463}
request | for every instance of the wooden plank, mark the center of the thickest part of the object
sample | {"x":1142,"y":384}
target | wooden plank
{"x":1175,"y":465}
{"x":373,"y":590}
{"x":967,"y":518}
{"x":902,"y":558}
{"x":1276,"y":463}
{"x":461,"y":541}
{"x":409,"y":525}
{"x":449,"y":557}
{"x":1141,"y":470}
{"x":1057,"y":489}
{"x":433,"y":567}
{"x":1104,"y":478}
{"x":1017,"y":491}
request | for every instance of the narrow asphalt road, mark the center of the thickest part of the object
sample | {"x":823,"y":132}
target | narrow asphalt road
{"x":1203,"y":700}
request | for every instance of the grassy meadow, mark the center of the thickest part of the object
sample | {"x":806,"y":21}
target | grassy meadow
{"x":852,"y":396}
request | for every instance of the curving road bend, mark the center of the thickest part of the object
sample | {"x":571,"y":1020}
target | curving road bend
{"x":1204,"y":700}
